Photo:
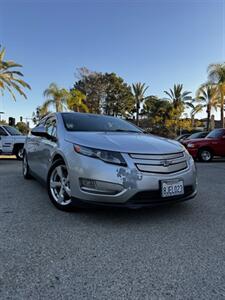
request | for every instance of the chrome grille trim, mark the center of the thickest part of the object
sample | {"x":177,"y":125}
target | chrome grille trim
{"x":157,"y":156}
{"x":160,"y":163}
{"x":161,"y":169}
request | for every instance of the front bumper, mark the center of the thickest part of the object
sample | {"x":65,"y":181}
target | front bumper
{"x":193,"y":152}
{"x":138,"y":189}
{"x":140,"y":200}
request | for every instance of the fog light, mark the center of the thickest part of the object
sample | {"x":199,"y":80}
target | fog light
{"x":88,"y":183}
{"x":100,"y":187}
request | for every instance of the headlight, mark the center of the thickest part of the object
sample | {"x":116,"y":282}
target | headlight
{"x":104,"y":155}
{"x":190,"y":145}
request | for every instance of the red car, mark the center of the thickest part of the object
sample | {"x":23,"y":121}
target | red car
{"x":204,"y":149}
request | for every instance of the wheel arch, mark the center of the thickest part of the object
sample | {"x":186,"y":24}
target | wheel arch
{"x":16,"y":146}
{"x":206,"y":148}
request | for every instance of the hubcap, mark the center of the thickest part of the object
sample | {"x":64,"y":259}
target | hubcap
{"x":60,"y":185}
{"x":20,"y":153}
{"x":206,"y":155}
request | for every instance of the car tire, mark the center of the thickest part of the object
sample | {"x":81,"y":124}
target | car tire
{"x":26,"y":168}
{"x":19,"y":153}
{"x":205,"y":155}
{"x":58,"y":186}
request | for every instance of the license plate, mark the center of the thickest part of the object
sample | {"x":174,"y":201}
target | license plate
{"x":172,"y":188}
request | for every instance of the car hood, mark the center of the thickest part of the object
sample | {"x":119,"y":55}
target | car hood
{"x":195,"y":140}
{"x":124,"y":142}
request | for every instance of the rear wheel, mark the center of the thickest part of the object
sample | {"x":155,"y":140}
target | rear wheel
{"x":58,"y":185}
{"x":19,"y":152}
{"x":205,"y":155}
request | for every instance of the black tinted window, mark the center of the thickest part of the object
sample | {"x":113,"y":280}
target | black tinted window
{"x":89,"y":122}
{"x":50,"y":126}
{"x":12,"y":130}
{"x":2,"y":132}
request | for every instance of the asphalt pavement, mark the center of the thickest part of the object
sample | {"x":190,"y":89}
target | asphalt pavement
{"x":172,"y":252}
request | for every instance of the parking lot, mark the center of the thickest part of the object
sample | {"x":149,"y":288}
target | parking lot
{"x":174,"y":252}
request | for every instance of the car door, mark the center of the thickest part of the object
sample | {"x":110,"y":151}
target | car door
{"x":5,"y":141}
{"x":46,"y":147}
{"x":32,"y":150}
{"x":218,"y":142}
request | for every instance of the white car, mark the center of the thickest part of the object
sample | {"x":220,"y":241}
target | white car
{"x":11,"y":141}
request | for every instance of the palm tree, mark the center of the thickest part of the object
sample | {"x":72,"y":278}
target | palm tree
{"x":139,"y":90}
{"x":179,"y":98}
{"x":216,"y":75}
{"x":194,"y":110}
{"x":207,"y":94}
{"x":10,"y":79}
{"x":56,"y":97}
{"x":76,"y":101}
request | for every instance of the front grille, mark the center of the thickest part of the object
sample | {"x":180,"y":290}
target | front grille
{"x":155,"y":196}
{"x":160,"y":163}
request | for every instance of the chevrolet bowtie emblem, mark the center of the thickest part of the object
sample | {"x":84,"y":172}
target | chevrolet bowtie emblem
{"x":166,"y":163}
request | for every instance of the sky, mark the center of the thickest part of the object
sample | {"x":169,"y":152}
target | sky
{"x":159,"y":42}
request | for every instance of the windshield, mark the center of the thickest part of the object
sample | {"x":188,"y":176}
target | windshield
{"x":216,"y":133}
{"x":197,"y":135}
{"x":89,"y":122}
{"x":12,"y":130}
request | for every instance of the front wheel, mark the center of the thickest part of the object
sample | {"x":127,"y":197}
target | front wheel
{"x":205,"y":155}
{"x":58,"y":184}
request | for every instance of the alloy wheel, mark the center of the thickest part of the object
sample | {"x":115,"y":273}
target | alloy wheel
{"x":206,"y":155}
{"x":60,"y":185}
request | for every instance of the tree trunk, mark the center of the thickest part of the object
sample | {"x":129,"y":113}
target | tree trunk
{"x":222,"y":109}
{"x":137,"y":113}
{"x":208,"y":117}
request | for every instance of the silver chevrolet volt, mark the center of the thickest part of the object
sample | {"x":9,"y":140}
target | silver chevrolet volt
{"x":88,"y":159}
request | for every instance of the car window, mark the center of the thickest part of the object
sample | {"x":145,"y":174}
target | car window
{"x":2,"y":132}
{"x":12,"y":130}
{"x":216,"y":133}
{"x":50,"y":126}
{"x":91,"y":122}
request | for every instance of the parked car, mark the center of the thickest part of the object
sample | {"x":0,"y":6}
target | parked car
{"x":102,"y":160}
{"x":11,"y":141}
{"x":182,"y":137}
{"x":197,"y":135}
{"x":205,"y":149}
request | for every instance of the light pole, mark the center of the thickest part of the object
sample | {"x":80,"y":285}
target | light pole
{"x":1,"y":113}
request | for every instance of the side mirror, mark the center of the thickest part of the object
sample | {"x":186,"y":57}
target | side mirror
{"x":39,"y":131}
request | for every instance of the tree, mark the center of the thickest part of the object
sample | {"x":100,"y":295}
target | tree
{"x":208,"y":96}
{"x":91,"y":85}
{"x":139,"y":90}
{"x":22,"y":127}
{"x":40,"y":113}
{"x":10,"y":79}
{"x":156,"y":113}
{"x":76,"y":101}
{"x":118,"y":99}
{"x":216,"y":75}
{"x":179,"y":100}
{"x":105,"y":92}
{"x":55,"y":96}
